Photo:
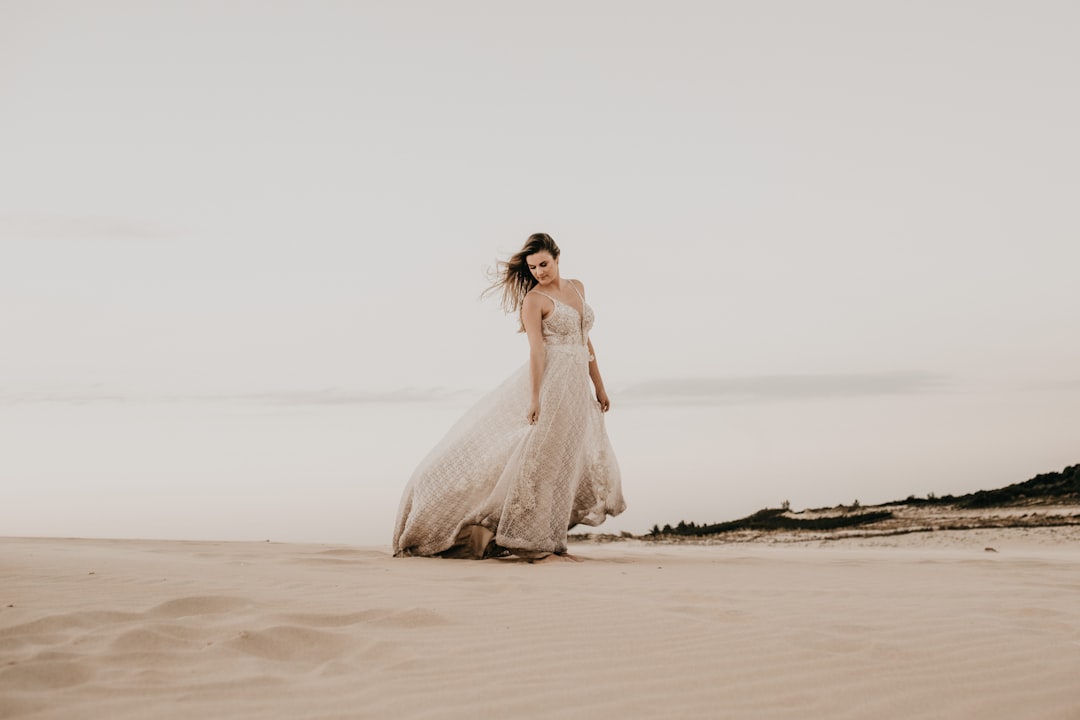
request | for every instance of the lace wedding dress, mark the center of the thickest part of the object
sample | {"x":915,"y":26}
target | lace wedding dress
{"x":495,"y":483}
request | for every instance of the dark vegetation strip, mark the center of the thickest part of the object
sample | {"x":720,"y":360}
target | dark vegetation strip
{"x":775,"y":519}
{"x":1062,"y":487}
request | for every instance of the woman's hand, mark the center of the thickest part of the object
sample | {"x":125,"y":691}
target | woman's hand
{"x":534,"y":412}
{"x":602,"y":398}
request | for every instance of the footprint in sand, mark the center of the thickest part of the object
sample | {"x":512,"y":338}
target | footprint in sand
{"x":198,"y":605}
{"x":290,"y":643}
{"x":44,"y":675}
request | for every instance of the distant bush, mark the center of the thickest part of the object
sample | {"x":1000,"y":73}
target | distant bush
{"x":1064,"y":485}
{"x":1050,"y":487}
{"x":930,"y":499}
{"x":775,"y":519}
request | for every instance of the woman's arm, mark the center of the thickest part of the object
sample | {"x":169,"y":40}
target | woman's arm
{"x":594,"y":369}
{"x":532,"y":315}
{"x":597,"y":381}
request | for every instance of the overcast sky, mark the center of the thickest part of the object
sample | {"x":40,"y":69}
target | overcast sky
{"x":832,"y":248}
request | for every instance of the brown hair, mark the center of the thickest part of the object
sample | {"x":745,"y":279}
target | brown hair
{"x":513,"y":277}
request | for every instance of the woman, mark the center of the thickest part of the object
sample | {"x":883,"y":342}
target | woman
{"x":532,"y":458}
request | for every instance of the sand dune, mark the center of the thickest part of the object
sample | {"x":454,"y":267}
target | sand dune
{"x":924,"y":626}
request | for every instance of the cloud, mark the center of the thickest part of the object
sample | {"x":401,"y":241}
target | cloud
{"x":62,"y":397}
{"x":771,"y":388}
{"x":1054,"y":385}
{"x":669,"y":391}
{"x":334,"y":396}
{"x":78,"y":227}
{"x":326,"y":396}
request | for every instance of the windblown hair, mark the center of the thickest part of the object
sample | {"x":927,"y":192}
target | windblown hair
{"x":512,"y":276}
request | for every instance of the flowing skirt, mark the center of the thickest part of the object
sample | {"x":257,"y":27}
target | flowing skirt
{"x":497,"y":483}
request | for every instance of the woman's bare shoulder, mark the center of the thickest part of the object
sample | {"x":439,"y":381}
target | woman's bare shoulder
{"x":534,"y":299}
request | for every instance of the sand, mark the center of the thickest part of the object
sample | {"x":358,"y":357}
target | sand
{"x":931,"y":625}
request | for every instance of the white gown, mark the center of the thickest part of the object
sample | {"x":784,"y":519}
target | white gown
{"x":495,"y":483}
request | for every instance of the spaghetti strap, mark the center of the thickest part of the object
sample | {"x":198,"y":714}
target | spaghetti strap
{"x":573,"y":284}
{"x":538,"y":292}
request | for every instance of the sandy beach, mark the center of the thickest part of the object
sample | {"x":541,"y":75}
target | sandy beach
{"x":977,"y":623}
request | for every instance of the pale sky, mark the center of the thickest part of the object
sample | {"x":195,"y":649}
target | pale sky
{"x":832,"y":248}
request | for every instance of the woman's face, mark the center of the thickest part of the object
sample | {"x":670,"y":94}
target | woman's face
{"x":543,"y":267}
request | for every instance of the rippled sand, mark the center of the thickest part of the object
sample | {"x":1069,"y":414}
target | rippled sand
{"x":930,"y":625}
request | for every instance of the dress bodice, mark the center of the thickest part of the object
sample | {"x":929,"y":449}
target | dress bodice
{"x":565,"y":326}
